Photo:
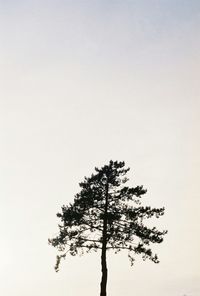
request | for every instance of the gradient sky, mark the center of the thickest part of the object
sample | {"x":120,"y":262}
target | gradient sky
{"x":83,"y":82}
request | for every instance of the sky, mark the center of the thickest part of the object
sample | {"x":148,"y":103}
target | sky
{"x":83,"y":82}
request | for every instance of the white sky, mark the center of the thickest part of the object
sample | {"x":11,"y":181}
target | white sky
{"x":83,"y":82}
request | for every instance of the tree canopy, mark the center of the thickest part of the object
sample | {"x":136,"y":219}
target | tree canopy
{"x":107,"y":215}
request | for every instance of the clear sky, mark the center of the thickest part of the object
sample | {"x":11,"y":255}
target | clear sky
{"x":83,"y":82}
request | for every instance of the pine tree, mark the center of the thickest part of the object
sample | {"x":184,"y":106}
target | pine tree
{"x":107,"y":215}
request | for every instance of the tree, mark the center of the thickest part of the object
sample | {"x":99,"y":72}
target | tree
{"x":107,"y":215}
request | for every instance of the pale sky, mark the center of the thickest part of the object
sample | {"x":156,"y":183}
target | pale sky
{"x":83,"y":82}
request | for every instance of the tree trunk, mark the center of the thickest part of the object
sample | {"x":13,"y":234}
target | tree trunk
{"x":103,"y":253}
{"x":104,"y":272}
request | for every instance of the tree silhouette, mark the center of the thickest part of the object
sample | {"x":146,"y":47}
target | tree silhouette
{"x":107,"y":215}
